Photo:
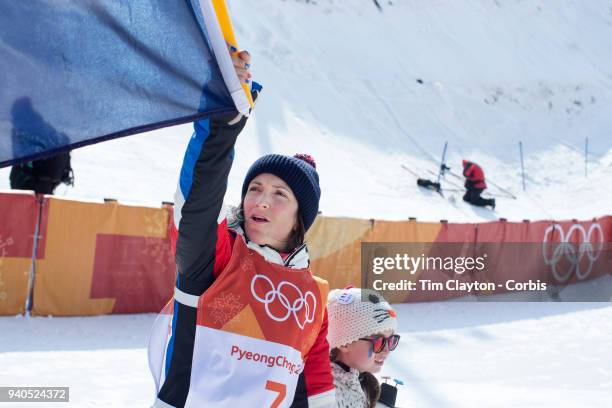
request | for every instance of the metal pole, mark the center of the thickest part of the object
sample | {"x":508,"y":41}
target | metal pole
{"x":586,"y":155}
{"x":443,"y":162}
{"x":522,"y":164}
{"x":32,"y":276}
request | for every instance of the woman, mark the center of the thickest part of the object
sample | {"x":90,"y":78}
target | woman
{"x":248,"y":324}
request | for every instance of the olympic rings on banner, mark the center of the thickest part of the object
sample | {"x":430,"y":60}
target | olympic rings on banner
{"x":567,"y":250}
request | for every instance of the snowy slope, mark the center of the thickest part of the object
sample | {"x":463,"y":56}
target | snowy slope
{"x":450,"y":355}
{"x":341,"y":83}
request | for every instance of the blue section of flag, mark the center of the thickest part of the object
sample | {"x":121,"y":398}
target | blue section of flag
{"x":83,"y":71}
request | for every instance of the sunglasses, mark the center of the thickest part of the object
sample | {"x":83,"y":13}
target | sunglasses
{"x":378,"y":343}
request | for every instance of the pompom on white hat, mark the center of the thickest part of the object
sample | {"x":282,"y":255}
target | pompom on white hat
{"x":355,"y":313}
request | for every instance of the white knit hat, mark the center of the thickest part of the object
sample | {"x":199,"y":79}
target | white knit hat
{"x":354,"y":313}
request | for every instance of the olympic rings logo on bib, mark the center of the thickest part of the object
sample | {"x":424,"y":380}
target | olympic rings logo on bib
{"x":305,"y":303}
{"x":565,"y":249}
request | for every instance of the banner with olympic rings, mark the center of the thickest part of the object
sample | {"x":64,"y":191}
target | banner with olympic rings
{"x":98,"y":258}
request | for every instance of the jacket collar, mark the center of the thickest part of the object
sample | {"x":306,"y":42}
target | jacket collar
{"x":298,"y":259}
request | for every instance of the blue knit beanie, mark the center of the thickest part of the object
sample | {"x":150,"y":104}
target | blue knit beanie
{"x":300,"y":174}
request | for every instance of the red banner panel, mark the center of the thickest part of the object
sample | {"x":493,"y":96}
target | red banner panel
{"x":136,"y":271}
{"x":18,"y":217}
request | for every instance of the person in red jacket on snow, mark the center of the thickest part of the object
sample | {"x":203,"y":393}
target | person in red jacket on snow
{"x":475,"y":185}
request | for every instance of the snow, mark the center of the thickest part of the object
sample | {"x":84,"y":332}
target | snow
{"x":102,"y":359}
{"x":452,"y":354}
{"x":504,"y":355}
{"x":341,"y":83}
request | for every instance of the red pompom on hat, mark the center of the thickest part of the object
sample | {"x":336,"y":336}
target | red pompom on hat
{"x":307,"y":158}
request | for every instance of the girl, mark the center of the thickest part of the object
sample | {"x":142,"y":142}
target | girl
{"x":248,"y":323}
{"x":361,"y":334}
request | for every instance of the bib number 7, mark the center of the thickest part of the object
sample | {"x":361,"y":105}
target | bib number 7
{"x":279,"y":388}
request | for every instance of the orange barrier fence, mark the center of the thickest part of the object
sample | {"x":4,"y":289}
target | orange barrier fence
{"x":92,"y":258}
{"x":555,"y":252}
{"x":103,"y":258}
{"x":98,"y":258}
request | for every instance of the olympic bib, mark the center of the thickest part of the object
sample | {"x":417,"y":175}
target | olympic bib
{"x":255,"y":325}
